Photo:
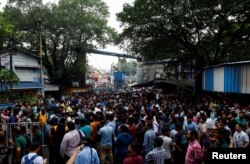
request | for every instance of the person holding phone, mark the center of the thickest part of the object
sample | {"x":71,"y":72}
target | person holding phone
{"x":84,"y":154}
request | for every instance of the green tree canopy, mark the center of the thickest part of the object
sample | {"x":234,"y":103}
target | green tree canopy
{"x":202,"y":32}
{"x":6,"y":30}
{"x":8,"y":79}
{"x":68,"y":31}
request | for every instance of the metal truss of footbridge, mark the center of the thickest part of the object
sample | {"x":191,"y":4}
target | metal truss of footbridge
{"x":101,"y":52}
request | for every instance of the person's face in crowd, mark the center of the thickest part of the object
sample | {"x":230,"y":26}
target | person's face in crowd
{"x":34,"y":130}
{"x":202,"y":121}
{"x":229,"y":117}
{"x":224,"y":115}
{"x":143,"y":113}
{"x":216,"y":123}
{"x":211,"y":134}
{"x":221,"y":125}
{"x":189,"y":120}
{"x":238,"y":128}
{"x":129,"y":149}
{"x":148,"y":124}
{"x":153,"y":113}
{"x":189,"y":136}
{"x":1,"y":132}
{"x":43,"y":111}
{"x":217,"y":135}
{"x":215,"y":113}
{"x":241,"y":115}
{"x":170,"y":119}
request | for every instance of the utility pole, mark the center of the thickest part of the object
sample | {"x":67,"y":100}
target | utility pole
{"x":41,"y":56}
{"x":11,"y":62}
{"x":11,"y":53}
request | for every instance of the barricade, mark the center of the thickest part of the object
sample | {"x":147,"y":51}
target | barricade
{"x":8,"y":131}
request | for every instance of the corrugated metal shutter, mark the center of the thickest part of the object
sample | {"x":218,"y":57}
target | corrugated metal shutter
{"x":232,"y":79}
{"x":219,"y":79}
{"x":208,"y":80}
{"x":245,"y":82}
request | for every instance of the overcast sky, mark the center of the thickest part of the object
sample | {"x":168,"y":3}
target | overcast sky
{"x":100,"y":61}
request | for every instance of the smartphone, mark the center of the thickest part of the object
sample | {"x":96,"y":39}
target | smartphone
{"x":81,"y":147}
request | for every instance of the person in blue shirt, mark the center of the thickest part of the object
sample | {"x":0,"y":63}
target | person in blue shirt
{"x":86,"y":129}
{"x":149,"y":136}
{"x":190,"y":125}
{"x":106,"y":134}
{"x":122,"y":142}
{"x":86,"y":155}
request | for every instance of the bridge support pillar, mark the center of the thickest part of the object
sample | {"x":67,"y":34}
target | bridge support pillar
{"x":139,"y":72}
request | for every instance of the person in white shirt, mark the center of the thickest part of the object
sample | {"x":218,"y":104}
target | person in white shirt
{"x":167,"y":144}
{"x":209,"y":123}
{"x":202,"y":127}
{"x":240,"y":137}
{"x":32,"y":156}
{"x":172,"y":133}
{"x":97,"y":108}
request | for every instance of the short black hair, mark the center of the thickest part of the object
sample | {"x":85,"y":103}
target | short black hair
{"x":149,"y":118}
{"x":71,"y":125}
{"x":17,"y":130}
{"x":190,"y":115}
{"x":165,"y":130}
{"x":158,"y":141}
{"x":124,"y":128}
{"x":178,"y":126}
{"x":194,"y":133}
{"x":111,"y":116}
{"x":221,"y":131}
{"x":135,"y":146}
{"x":240,"y":125}
{"x":23,"y":129}
{"x":54,"y":121}
{"x":34,"y":146}
{"x":82,"y":121}
{"x":86,"y":141}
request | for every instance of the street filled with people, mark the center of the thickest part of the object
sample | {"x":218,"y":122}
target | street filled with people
{"x":130,"y":127}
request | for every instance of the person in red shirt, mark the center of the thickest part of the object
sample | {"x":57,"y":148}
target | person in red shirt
{"x":133,"y":156}
{"x":132,"y":128}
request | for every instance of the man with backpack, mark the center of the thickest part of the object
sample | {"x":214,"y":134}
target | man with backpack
{"x":32,"y":157}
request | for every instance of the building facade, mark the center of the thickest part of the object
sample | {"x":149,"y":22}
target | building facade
{"x":27,"y":67}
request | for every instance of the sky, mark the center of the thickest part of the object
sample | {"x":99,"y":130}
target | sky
{"x":101,"y":61}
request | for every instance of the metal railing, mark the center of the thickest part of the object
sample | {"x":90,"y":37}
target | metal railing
{"x":9,"y":127}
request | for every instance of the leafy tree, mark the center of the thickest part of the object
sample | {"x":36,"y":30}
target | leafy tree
{"x":6,"y":29}
{"x":8,"y":79}
{"x":193,"y":33}
{"x":67,"y":30}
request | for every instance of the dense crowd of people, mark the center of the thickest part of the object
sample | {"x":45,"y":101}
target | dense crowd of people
{"x":142,"y":126}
